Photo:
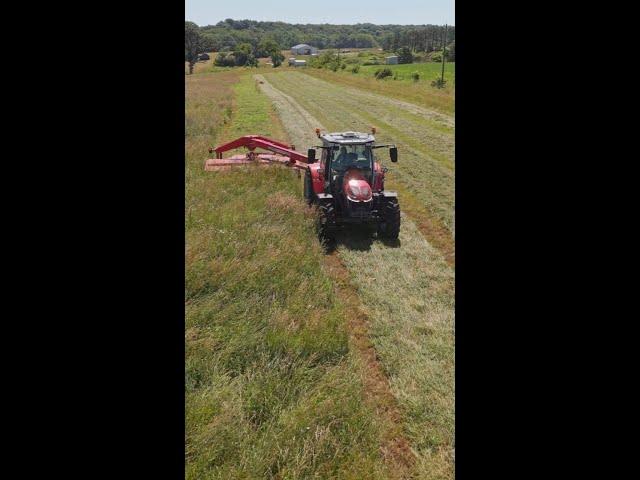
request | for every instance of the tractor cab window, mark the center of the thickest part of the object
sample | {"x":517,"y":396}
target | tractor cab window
{"x":351,"y":156}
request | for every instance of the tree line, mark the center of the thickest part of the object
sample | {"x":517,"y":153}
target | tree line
{"x":228,"y":34}
{"x":242,"y":42}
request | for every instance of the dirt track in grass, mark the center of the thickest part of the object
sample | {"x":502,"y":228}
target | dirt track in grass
{"x":404,"y":326}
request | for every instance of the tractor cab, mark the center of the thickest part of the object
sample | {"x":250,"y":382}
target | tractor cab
{"x":349,"y":155}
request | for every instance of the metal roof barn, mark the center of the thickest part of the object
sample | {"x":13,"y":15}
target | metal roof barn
{"x":303,"y":49}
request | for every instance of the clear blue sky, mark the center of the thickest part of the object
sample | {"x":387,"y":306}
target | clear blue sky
{"x":402,"y":12}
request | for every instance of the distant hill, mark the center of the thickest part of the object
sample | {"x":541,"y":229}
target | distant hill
{"x":225,"y":35}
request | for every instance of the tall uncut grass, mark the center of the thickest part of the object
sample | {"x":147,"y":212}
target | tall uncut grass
{"x":272,"y":390}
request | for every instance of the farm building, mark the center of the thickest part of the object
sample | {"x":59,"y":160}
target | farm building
{"x":303,"y":49}
{"x":297,"y":63}
{"x":392,"y":60}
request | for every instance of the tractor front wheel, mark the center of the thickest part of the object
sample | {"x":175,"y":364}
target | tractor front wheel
{"x":325,"y":220}
{"x":391,"y":226}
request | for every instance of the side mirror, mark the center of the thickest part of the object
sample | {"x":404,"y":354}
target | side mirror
{"x":311,"y":155}
{"x":393,"y":153}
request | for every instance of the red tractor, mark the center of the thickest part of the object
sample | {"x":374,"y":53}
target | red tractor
{"x":346,"y":182}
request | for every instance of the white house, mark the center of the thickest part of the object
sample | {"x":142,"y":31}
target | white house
{"x":392,"y":60}
{"x":303,"y":49}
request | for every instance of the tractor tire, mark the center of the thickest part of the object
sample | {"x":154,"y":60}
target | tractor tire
{"x":391,"y":215}
{"x":326,"y":218}
{"x":308,"y":188}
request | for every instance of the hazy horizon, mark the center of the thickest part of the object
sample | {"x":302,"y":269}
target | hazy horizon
{"x":334,"y":12}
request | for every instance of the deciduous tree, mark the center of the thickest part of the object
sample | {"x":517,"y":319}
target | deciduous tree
{"x":405,"y":55}
{"x":242,"y":52}
{"x":193,"y":44}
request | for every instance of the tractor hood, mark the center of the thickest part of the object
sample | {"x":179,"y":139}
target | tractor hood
{"x":356,"y":187}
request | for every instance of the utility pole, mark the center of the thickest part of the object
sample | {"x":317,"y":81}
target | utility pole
{"x":444,"y":43}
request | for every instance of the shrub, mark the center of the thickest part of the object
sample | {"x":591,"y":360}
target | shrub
{"x":382,"y":73}
{"x":343,"y":66}
{"x":451,"y":52}
{"x":415,"y":76}
{"x":224,"y":60}
{"x":276,"y":58}
{"x":251,"y":61}
{"x":242,"y":53}
{"x":436,"y":57}
{"x":329,"y":59}
{"x":439,"y":83}
{"x":351,"y":60}
{"x":355,"y":69}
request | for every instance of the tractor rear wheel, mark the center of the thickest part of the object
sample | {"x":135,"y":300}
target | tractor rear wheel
{"x":391,"y":215}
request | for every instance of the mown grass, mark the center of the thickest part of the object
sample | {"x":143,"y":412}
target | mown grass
{"x":420,"y":93}
{"x":406,"y":289}
{"x":409,"y":297}
{"x":272,"y":389}
{"x":426,"y":146}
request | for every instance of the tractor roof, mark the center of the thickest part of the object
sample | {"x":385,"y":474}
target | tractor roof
{"x":347,"y":137}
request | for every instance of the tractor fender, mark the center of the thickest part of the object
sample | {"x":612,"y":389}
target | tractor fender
{"x":317,"y":180}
